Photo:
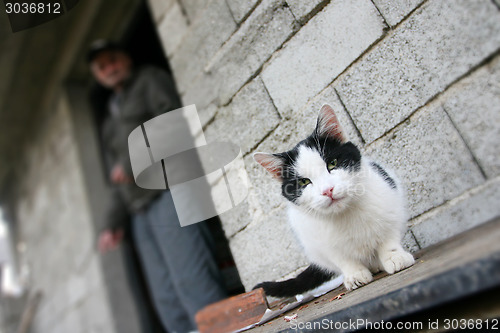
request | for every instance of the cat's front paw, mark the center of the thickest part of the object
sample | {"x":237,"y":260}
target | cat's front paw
{"x":397,"y":261}
{"x":357,"y":279}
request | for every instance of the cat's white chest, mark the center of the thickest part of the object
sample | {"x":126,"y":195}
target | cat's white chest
{"x":325,"y":242}
{"x":319,"y":240}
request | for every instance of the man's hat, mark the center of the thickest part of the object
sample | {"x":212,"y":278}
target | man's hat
{"x":102,"y":45}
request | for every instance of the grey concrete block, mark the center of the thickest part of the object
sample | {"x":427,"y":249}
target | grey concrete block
{"x":194,"y":8}
{"x":266,"y":250}
{"x":435,"y":46}
{"x":269,"y":25}
{"x":395,"y":10}
{"x":430,"y":159}
{"x":94,"y":314}
{"x":204,"y":38}
{"x":172,"y":29}
{"x":301,"y":9}
{"x":159,"y":7}
{"x":474,"y":106}
{"x":240,"y":8}
{"x":203,"y":91}
{"x":320,"y":51}
{"x":247,"y":119}
{"x":206,"y":114}
{"x":409,"y":242}
{"x":473,"y":208}
{"x":234,"y":220}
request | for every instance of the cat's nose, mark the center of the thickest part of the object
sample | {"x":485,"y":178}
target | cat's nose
{"x":328,"y":192}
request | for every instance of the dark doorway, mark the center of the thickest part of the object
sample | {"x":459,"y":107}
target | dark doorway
{"x":142,"y":42}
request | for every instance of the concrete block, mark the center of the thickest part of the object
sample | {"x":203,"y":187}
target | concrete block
{"x":235,"y":219}
{"x":439,"y":43}
{"x":320,"y":51}
{"x":204,"y":38}
{"x":472,"y":208}
{"x":430,"y":159}
{"x":194,"y":8}
{"x":172,"y":29}
{"x":206,"y":114}
{"x":301,"y":9}
{"x":159,"y":7}
{"x":395,"y":10}
{"x":269,"y":25}
{"x":409,"y":242}
{"x":474,"y":106}
{"x":94,"y":314}
{"x":266,"y":250}
{"x":252,"y":107}
{"x":250,"y":210}
{"x":241,"y":8}
{"x":203,"y":91}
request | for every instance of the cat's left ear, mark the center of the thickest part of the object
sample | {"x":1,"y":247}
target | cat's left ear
{"x":328,"y":124}
{"x":272,"y":163}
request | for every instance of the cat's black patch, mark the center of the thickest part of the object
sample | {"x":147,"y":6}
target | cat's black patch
{"x":347,"y":156}
{"x":309,"y":279}
{"x":384,"y":174}
{"x":290,"y":188}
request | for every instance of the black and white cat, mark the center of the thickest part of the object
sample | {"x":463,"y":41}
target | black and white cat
{"x":346,"y":210}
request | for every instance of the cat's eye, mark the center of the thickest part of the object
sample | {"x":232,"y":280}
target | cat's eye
{"x":304,"y":181}
{"x":332,"y":165}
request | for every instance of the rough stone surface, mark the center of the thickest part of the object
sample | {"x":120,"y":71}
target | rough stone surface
{"x":253,"y":107}
{"x":241,"y":8}
{"x":301,"y":9}
{"x":474,"y":207}
{"x":430,"y":159}
{"x":56,"y":227}
{"x":172,"y":28}
{"x":395,"y":10}
{"x":244,"y":53}
{"x":418,"y":61}
{"x":204,"y":38}
{"x":194,"y":8}
{"x":266,"y":249}
{"x":203,"y":91}
{"x":320,"y":51}
{"x":474,"y":107}
{"x":159,"y":7}
{"x":206,"y":114}
{"x":409,"y":242}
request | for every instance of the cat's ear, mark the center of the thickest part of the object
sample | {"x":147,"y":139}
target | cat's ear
{"x":328,"y":124}
{"x":272,"y":163}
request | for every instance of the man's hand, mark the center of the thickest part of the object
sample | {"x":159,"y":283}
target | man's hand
{"x":109,"y":240}
{"x":118,"y":175}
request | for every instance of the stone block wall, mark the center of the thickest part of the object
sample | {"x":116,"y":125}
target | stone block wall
{"x":55,"y":225}
{"x":415,"y":83}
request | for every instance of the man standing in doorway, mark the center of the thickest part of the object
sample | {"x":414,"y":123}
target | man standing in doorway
{"x":181,"y":271}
